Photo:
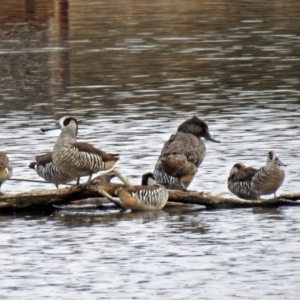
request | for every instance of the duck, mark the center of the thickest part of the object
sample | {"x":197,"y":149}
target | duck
{"x":6,"y":169}
{"x":46,"y":169}
{"x":240,"y":183}
{"x":147,"y":196}
{"x":169,"y":182}
{"x":182,"y":154}
{"x":77,"y":159}
{"x":268,"y":179}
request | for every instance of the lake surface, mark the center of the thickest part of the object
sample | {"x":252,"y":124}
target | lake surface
{"x":132,"y":72}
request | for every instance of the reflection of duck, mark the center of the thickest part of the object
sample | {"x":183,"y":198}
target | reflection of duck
{"x":240,"y":181}
{"x":146,"y":215}
{"x":78,"y":159}
{"x":143,"y":197}
{"x":46,"y":169}
{"x":249,"y":183}
{"x":182,"y":154}
{"x":5,"y":168}
{"x":268,"y":179}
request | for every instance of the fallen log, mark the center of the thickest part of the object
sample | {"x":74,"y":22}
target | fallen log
{"x":215,"y":201}
{"x":63,"y":195}
{"x":43,"y":198}
{"x":291,"y":196}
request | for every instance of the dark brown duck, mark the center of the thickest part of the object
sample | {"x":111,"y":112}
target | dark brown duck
{"x":182,"y":154}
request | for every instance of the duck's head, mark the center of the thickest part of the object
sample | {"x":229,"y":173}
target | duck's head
{"x":148,"y":179}
{"x":236,"y":168}
{"x":67,"y":124}
{"x":274,"y":158}
{"x":196,"y":127}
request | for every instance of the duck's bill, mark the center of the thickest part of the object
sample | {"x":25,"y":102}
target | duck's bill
{"x":50,"y":128}
{"x":209,"y":137}
{"x":280,"y":163}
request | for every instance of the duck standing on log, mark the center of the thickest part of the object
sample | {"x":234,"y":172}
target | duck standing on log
{"x":249,"y":183}
{"x":182,"y":154}
{"x":46,"y":169}
{"x":77,"y":159}
{"x":268,"y":179}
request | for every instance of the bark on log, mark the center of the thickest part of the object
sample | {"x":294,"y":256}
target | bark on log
{"x":43,"y":198}
{"x":213,"y":200}
{"x":291,"y":196}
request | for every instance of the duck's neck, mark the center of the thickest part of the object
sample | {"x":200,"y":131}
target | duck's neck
{"x":66,"y":139}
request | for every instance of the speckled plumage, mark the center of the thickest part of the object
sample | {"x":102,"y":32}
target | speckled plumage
{"x":46,"y":169}
{"x":268,"y":179}
{"x":78,"y":159}
{"x":6,"y":169}
{"x":182,"y":154}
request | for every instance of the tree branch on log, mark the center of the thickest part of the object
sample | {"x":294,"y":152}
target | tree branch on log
{"x":102,"y":185}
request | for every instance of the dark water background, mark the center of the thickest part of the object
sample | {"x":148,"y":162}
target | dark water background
{"x":132,"y":71}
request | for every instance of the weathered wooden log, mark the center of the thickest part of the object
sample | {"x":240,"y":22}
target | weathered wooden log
{"x":42,"y":198}
{"x":62,"y":195}
{"x":213,"y":200}
{"x":291,"y":196}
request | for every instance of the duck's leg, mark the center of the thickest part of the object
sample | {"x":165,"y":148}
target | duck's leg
{"x":89,"y":179}
{"x":78,"y":181}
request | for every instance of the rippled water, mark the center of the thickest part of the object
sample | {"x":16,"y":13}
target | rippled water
{"x":132,"y":72}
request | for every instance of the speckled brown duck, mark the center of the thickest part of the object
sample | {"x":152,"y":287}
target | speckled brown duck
{"x":6,"y":169}
{"x":182,"y":154}
{"x":77,"y":159}
{"x":148,"y":196}
{"x":240,"y":181}
{"x":46,"y":169}
{"x":268,"y":179}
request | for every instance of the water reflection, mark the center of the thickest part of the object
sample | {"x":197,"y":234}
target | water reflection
{"x":73,"y":216}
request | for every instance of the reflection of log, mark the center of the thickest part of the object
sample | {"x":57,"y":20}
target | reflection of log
{"x":42,"y":198}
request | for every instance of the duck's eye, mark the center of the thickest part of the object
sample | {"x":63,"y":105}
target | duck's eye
{"x":237,"y":166}
{"x":67,"y":121}
{"x":270,"y":155}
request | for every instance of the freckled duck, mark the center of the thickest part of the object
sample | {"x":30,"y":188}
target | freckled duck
{"x":182,"y":154}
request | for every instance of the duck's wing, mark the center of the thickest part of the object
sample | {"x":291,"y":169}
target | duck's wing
{"x":88,"y":148}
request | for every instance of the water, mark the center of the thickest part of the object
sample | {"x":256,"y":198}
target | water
{"x":132,"y":72}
